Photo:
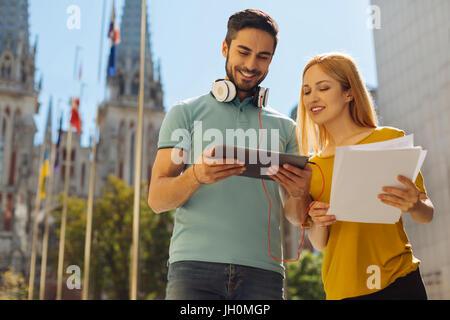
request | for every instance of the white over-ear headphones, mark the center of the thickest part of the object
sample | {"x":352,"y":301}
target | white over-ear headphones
{"x":225,"y":91}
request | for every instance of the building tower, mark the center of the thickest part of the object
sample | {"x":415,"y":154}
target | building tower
{"x":18,"y":105}
{"x":118,"y":113}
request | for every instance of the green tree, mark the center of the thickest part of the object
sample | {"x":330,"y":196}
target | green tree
{"x":112,"y":239}
{"x":304,"y":280}
{"x":13,"y":286}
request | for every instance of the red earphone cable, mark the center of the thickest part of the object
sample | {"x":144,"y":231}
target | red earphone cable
{"x":270,"y":205}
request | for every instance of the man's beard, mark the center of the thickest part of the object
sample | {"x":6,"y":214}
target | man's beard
{"x":239,"y":88}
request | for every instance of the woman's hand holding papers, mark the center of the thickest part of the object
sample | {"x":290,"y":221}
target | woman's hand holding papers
{"x":409,"y":200}
{"x":403,"y":199}
{"x":318,"y":213}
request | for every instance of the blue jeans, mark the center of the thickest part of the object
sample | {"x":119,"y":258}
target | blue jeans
{"x":196,"y":280}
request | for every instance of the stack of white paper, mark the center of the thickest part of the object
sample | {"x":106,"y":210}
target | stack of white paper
{"x":359,"y":173}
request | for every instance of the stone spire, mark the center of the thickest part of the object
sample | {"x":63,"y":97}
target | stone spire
{"x":17,"y":60}
{"x":13,"y":22}
{"x":48,"y":126}
{"x":125,"y":82}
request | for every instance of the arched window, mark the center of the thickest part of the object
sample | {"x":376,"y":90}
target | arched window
{"x":24,"y":71}
{"x":2,"y":144}
{"x":8,"y":213}
{"x":6,"y":63}
{"x":12,"y":169}
{"x":121,"y":84}
{"x":83,"y":173}
{"x":135,"y":84}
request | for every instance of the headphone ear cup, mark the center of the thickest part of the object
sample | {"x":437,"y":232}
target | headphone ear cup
{"x":265,"y":96}
{"x":224,"y":90}
{"x":261,"y":96}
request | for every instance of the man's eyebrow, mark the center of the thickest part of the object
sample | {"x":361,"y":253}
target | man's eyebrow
{"x":248,"y":49}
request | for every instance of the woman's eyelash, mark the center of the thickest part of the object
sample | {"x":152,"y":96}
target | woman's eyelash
{"x":308,"y":92}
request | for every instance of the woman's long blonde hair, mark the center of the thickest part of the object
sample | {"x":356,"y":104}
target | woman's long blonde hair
{"x":342,"y":68}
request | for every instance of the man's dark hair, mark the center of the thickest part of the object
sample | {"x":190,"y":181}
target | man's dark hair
{"x":251,"y":18}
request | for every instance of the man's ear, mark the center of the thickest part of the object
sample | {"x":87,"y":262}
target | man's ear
{"x":224,"y":48}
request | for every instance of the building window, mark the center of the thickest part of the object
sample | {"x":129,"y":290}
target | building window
{"x":6,"y":66}
{"x":8,"y":213}
{"x":135,"y":85}
{"x":121,"y":81}
{"x":83,"y":172}
{"x":2,"y":145}
{"x":121,"y":170}
{"x":12,"y":169}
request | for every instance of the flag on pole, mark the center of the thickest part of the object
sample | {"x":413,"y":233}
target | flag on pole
{"x":44,"y":173}
{"x":75,"y":120}
{"x":58,"y":143}
{"x":114,"y":36}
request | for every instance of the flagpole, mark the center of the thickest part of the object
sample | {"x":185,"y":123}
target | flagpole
{"x":48,"y":200}
{"x":137,"y":174}
{"x":87,"y":243}
{"x":77,"y":50}
{"x":35,"y":223}
{"x":64,"y":214}
{"x":101,"y":41}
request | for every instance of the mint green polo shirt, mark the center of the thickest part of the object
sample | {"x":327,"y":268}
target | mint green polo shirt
{"x":227,"y":222}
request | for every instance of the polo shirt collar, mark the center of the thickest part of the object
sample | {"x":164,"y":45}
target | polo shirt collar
{"x":246,"y":101}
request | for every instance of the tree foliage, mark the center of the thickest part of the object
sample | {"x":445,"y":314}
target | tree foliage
{"x":12,"y":286}
{"x":304,"y":278}
{"x":112,"y":240}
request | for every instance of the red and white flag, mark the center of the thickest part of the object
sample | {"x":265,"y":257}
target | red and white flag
{"x":75,"y":120}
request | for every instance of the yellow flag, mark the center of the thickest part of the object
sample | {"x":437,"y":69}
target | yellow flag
{"x":44,"y":172}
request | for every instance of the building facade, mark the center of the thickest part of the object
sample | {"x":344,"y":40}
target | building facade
{"x":412,"y":49}
{"x":118,"y":116}
{"x":18,"y":104}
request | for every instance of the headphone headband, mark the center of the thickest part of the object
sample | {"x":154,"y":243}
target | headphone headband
{"x":225,"y":91}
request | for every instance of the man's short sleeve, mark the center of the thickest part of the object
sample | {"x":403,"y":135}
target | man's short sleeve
{"x":175,"y":129}
{"x":292,"y":145}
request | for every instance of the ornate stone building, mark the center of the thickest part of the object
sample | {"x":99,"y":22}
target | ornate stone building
{"x":18,"y":104}
{"x":118,"y":115}
{"x":19,"y":158}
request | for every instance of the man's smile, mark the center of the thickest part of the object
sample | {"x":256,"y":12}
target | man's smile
{"x":247,"y":75}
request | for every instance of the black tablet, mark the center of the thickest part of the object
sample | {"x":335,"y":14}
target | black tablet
{"x":257,"y":161}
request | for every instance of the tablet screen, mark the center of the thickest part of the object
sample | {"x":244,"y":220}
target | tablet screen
{"x":258,"y":161}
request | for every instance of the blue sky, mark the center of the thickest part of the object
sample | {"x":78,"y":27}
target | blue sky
{"x":186,"y":36}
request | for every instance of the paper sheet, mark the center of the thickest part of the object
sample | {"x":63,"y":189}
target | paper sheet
{"x":361,"y":171}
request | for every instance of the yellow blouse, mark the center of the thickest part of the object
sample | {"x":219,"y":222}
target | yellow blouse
{"x":353,"y":249}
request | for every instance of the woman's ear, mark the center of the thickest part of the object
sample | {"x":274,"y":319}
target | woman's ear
{"x":348,"y":96}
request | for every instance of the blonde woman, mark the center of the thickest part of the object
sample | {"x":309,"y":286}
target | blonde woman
{"x":336,"y":110}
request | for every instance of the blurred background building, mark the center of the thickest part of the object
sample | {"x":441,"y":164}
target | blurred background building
{"x":18,"y":103}
{"x":118,"y":116}
{"x":412,"y":49}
